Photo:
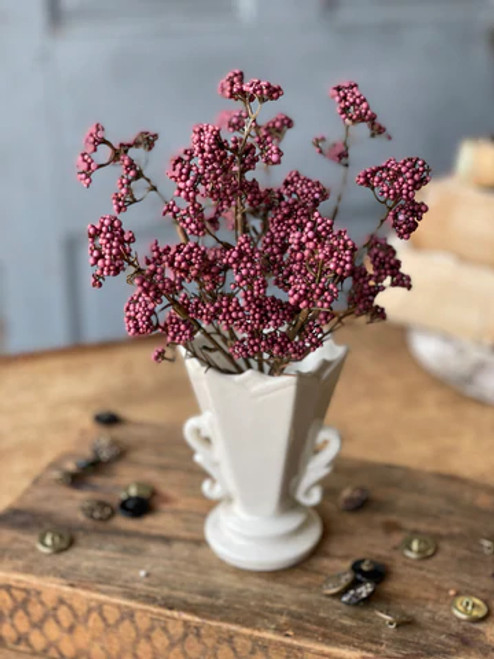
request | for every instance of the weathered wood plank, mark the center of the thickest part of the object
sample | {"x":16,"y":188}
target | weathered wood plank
{"x":91,"y":602}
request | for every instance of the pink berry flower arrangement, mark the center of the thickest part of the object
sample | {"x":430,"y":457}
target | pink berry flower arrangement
{"x":258,"y":274}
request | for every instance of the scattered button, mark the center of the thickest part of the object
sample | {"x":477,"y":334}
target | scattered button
{"x":353,"y":498}
{"x":53,"y":541}
{"x":64,"y":476}
{"x":143,"y":490}
{"x":106,"y":449}
{"x":107,"y":418}
{"x":134,"y":506}
{"x":419,"y":546}
{"x":366,"y":569}
{"x":337,"y":583}
{"x":87,"y":464}
{"x":359,"y":593}
{"x":487,"y":546}
{"x":393,"y":620}
{"x":470,"y":608}
{"x":97,"y":510}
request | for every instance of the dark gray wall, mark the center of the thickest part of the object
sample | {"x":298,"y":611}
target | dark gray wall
{"x":426,"y":65}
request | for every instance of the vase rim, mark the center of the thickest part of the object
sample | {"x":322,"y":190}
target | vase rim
{"x":321,"y":362}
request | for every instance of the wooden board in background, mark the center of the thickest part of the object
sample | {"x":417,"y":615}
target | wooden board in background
{"x":387,"y":408}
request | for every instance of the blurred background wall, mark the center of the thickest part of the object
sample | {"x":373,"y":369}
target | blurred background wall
{"x":426,"y":65}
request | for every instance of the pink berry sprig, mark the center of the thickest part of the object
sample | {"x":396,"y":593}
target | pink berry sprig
{"x":395,"y":184}
{"x":109,"y":248}
{"x":261,"y":274}
{"x":354,"y":108}
{"x":395,"y":180}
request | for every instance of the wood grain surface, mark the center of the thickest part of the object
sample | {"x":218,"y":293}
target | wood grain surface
{"x":387,"y":408}
{"x":91,"y":601}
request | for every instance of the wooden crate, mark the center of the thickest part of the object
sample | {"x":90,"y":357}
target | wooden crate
{"x":448,"y":295}
{"x":460,"y":220}
{"x":91,"y":602}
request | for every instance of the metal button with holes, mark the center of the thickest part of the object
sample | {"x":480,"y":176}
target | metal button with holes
{"x":469,"y":608}
{"x":53,"y":541}
{"x":337,"y":583}
{"x":138,"y":489}
{"x":418,"y":546}
{"x":97,"y":510}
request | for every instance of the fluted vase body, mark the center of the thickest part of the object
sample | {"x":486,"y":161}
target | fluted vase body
{"x":262,"y":441}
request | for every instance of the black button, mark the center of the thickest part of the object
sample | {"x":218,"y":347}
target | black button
{"x":134,"y":506}
{"x":359,"y":593}
{"x":366,"y":569}
{"x":107,"y":418}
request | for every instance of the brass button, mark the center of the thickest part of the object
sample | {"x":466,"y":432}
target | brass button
{"x":470,"y":608}
{"x":97,"y":510}
{"x":337,"y":583}
{"x":53,"y":541}
{"x":143,"y":490}
{"x":419,"y":546}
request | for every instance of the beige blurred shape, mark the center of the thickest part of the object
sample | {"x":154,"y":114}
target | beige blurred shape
{"x":450,"y":309}
{"x":460,"y":220}
{"x":448,"y":295}
{"x":475,"y":162}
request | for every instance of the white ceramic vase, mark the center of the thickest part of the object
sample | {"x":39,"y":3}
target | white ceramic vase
{"x":262,"y":442}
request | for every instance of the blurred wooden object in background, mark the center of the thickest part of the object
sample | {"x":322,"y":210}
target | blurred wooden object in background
{"x":449,"y":295}
{"x":451,"y":261}
{"x":475,"y":162}
{"x":460,"y":220}
{"x":386,"y":407}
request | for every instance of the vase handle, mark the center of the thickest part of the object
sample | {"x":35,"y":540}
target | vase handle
{"x":320,"y":464}
{"x":197,"y":432}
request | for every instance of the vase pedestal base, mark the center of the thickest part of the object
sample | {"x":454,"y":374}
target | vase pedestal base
{"x":259,"y":543}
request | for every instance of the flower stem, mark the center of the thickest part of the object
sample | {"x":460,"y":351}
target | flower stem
{"x":344,"y":178}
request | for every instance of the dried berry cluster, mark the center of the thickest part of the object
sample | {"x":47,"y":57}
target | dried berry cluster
{"x":259,"y":272}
